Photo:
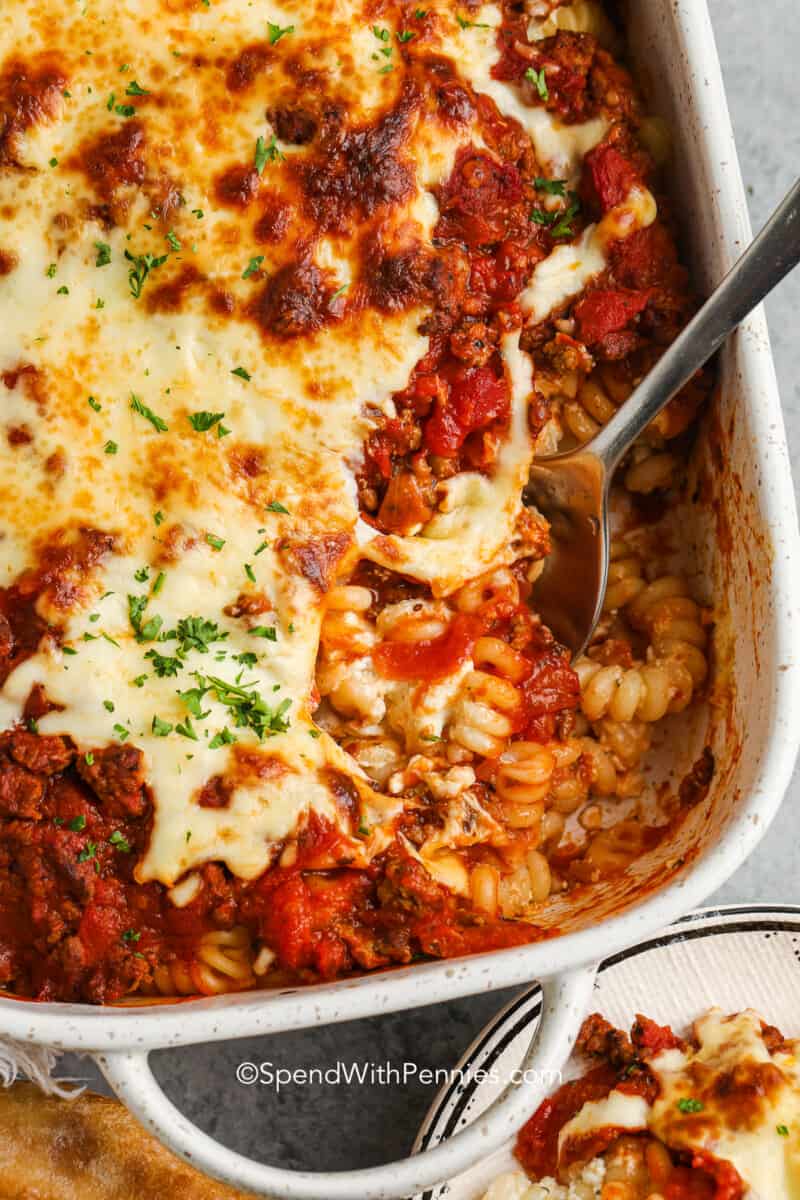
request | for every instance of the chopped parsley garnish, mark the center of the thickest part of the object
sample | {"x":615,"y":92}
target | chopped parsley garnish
{"x":246,"y":658}
{"x":242,"y":373}
{"x":187,"y":730}
{"x":88,"y":852}
{"x":119,"y":842}
{"x":253,"y":266}
{"x":782,"y":1130}
{"x":173,"y":240}
{"x":553,"y":187}
{"x":133,"y":89}
{"x":381,"y":34}
{"x":124,"y":110}
{"x":198,"y":212}
{"x":120,"y":730}
{"x":340,"y":291}
{"x":363,"y":829}
{"x":405,"y":35}
{"x":265,"y":631}
{"x":165,"y":666}
{"x":267,"y":152}
{"x":103,"y":254}
{"x":110,"y":102}
{"x":249,"y":572}
{"x":159,"y":517}
{"x":419,"y":13}
{"x":131,"y":935}
{"x":88,"y":758}
{"x":110,"y":447}
{"x":95,"y":404}
{"x":559,"y":222}
{"x":539,"y":81}
{"x":108,"y":705}
{"x":215,"y":542}
{"x":223,"y":738}
{"x":276,"y":507}
{"x":247,"y":707}
{"x":63,"y":290}
{"x":141,"y":266}
{"x":314,"y":733}
{"x":161,"y":728}
{"x":68,"y":650}
{"x":53,"y":162}
{"x":201,"y":422}
{"x":142,"y":574}
{"x":196,"y":633}
{"x":465,"y":24}
{"x":276,"y":33}
{"x":261,"y":548}
{"x":77,"y":824}
{"x":689,"y":1105}
{"x":159,"y":583}
{"x":192,"y":698}
{"x":138,"y":406}
{"x":51,"y":271}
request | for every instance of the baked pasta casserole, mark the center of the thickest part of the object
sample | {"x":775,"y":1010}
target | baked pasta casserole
{"x":657,"y":1117}
{"x":290,"y":297}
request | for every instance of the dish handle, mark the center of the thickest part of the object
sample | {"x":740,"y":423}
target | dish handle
{"x":565,"y":1000}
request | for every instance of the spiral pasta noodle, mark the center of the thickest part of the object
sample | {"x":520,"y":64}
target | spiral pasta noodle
{"x":222,"y":962}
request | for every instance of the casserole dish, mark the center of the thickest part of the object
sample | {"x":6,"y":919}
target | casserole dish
{"x":745,"y":540}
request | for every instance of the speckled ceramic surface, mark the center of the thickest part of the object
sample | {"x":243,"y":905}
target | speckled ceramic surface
{"x":734,"y":958}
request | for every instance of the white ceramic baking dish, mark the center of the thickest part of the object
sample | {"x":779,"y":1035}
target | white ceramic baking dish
{"x":744,"y":538}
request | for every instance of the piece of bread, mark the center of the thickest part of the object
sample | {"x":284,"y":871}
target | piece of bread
{"x":89,"y":1149}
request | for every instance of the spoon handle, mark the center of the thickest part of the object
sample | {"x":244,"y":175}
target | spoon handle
{"x":771,"y":256}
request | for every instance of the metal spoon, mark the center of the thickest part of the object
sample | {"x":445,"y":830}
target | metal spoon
{"x":571,"y":489}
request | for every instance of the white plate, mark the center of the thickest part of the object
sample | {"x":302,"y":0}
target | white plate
{"x":734,"y":957}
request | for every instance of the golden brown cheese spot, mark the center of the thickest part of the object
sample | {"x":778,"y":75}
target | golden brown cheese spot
{"x":8,"y":260}
{"x":296,"y":301}
{"x":115,"y":160}
{"x":64,"y":563}
{"x":275,"y":218}
{"x":30,"y":94}
{"x":395,"y":279}
{"x":247,"y":65}
{"x":237,"y":186}
{"x":294,"y":125}
{"x":317,"y":559}
{"x":32,"y":381}
{"x":216,"y":793}
{"x":171,"y":296}
{"x":357,"y":171}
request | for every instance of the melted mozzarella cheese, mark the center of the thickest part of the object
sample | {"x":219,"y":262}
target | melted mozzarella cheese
{"x":119,"y":325}
{"x":567,"y":271}
{"x":618,"y":1110}
{"x":757,"y":1130}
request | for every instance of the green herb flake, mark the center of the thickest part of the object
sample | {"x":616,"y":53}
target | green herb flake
{"x":465,"y":24}
{"x":141,"y":266}
{"x":223,"y":738}
{"x":382,"y":35}
{"x":267,"y":152}
{"x":54,"y":161}
{"x":51,"y":271}
{"x":261,"y":548}
{"x":88,"y":852}
{"x":782,"y":1130}
{"x":689,"y":1105}
{"x":63,"y":290}
{"x":95,"y":404}
{"x":242,"y":373}
{"x":187,"y":730}
{"x":265,"y":631}
{"x":89,"y":758}
{"x":553,"y":187}
{"x":539,"y":81}
{"x":276,"y":33}
{"x":159,"y":518}
{"x":103,"y":254}
{"x":215,"y":542}
{"x":119,"y":842}
{"x":253,"y":266}
{"x":131,"y":935}
{"x":110,"y":447}
{"x":138,"y":406}
{"x":77,"y":824}
{"x":173,"y":240}
{"x":159,"y":583}
{"x":249,"y":572}
{"x":133,"y":88}
{"x":160,"y":728}
{"x":108,"y":705}
{"x":201,"y":422}
{"x":68,"y":650}
{"x":276,"y":507}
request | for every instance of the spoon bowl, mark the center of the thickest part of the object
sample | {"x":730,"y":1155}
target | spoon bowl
{"x":571,"y":490}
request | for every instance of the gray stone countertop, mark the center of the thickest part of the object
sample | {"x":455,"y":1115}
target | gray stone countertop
{"x":337,"y":1127}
